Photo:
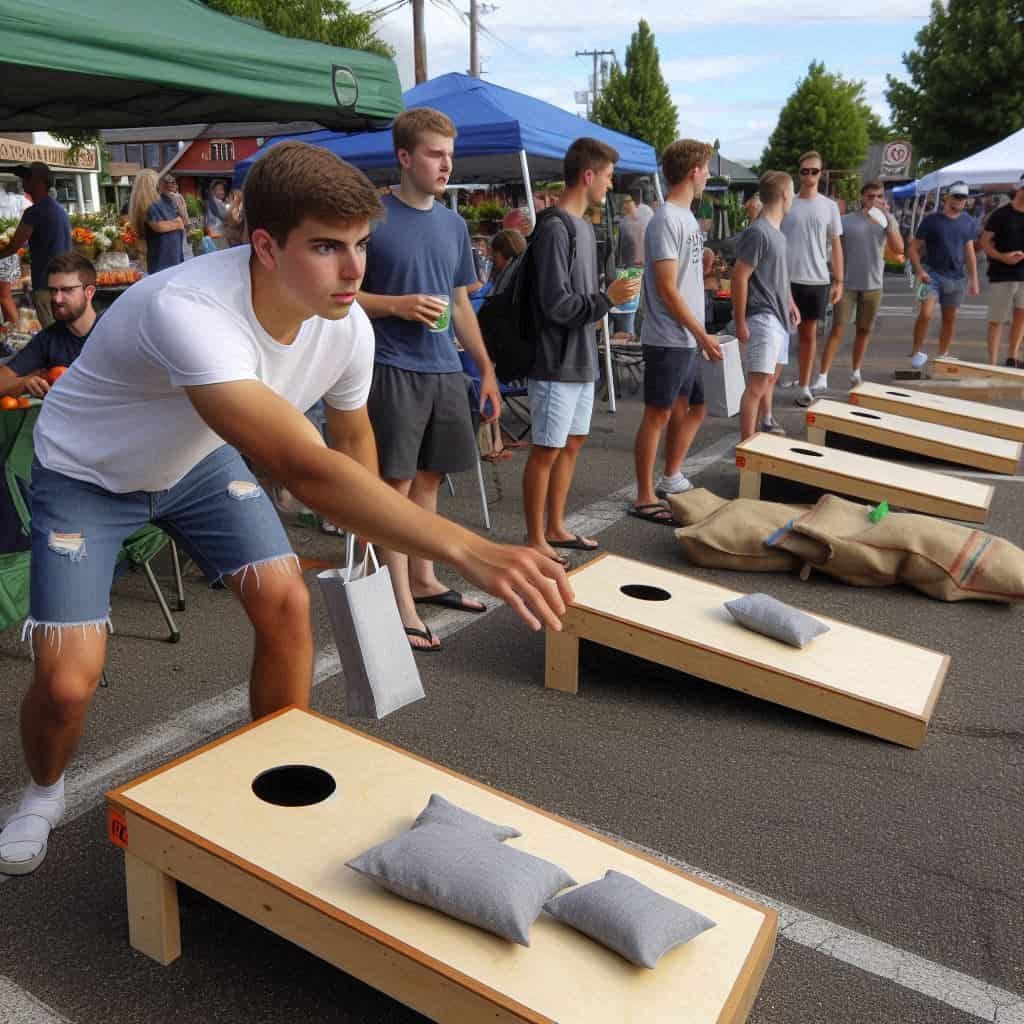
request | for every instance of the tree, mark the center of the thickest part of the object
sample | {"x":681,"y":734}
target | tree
{"x":965,"y":90}
{"x":636,"y":100}
{"x":323,"y":21}
{"x":826,"y":112}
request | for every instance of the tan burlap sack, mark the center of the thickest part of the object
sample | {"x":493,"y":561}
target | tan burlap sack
{"x":944,"y":560}
{"x":732,"y":534}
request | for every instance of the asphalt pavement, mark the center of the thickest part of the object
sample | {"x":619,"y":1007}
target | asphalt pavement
{"x":897,"y":872}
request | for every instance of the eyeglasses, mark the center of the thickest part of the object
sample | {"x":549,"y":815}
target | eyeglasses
{"x":59,"y":291}
{"x":805,"y":171}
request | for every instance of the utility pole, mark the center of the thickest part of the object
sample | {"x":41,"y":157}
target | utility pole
{"x":419,"y":42}
{"x":476,"y":9}
{"x":595,"y":87}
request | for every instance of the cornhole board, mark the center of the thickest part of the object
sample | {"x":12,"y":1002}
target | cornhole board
{"x":929,"y":439}
{"x":860,"y":476}
{"x":198,"y":821}
{"x":951,"y":412}
{"x":944,"y":366}
{"x":974,"y":389}
{"x":866,"y":681}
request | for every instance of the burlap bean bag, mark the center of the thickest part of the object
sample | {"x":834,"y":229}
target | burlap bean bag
{"x":722,"y":534}
{"x":944,"y":560}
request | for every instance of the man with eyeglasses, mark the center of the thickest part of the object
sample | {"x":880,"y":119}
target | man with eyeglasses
{"x":865,"y":233}
{"x":812,"y":228}
{"x":71,"y":280}
{"x":942,"y":254}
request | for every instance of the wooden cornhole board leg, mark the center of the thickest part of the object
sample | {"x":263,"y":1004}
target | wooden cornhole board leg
{"x":863,"y":680}
{"x":750,"y":484}
{"x":154,"y":927}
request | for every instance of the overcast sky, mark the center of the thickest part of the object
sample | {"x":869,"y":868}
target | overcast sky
{"x":730,"y":64}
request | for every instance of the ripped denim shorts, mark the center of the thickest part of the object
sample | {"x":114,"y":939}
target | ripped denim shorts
{"x":217,"y":513}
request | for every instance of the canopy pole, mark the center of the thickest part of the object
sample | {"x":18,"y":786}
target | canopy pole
{"x":608,"y":375}
{"x":527,"y":184}
{"x":657,"y":188}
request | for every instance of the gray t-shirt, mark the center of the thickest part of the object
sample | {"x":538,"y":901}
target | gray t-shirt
{"x":863,"y":241}
{"x":764,"y":247}
{"x":673,"y":234}
{"x":632,"y":229}
{"x":808,"y":228}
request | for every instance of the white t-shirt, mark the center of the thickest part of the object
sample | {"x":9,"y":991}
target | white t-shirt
{"x":809,"y":227}
{"x":120,"y":417}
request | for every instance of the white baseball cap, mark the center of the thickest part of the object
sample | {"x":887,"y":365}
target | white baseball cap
{"x":958,"y":188}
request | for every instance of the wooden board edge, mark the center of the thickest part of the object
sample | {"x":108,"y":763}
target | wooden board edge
{"x":932,"y":414}
{"x":936,"y":690}
{"x":748,"y":983}
{"x":465,"y":981}
{"x":116,"y":795}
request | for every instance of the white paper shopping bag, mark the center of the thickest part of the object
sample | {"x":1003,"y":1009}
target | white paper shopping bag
{"x":380,"y":673}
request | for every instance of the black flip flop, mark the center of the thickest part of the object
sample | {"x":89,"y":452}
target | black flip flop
{"x":425,"y":634}
{"x":450,"y":599}
{"x":576,"y":543}
{"x":653,"y":514}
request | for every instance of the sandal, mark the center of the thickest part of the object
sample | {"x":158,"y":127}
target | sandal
{"x":25,"y":849}
{"x":424,"y":634}
{"x":575,"y":543}
{"x":656,"y":513}
{"x":453,"y":599}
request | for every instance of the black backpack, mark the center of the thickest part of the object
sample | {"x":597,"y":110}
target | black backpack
{"x":507,"y":318}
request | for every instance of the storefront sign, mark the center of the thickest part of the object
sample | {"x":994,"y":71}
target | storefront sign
{"x":896,"y":160}
{"x":13,"y":152}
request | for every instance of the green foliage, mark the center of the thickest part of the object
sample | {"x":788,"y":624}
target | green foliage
{"x":826,"y":112}
{"x":636,"y":101}
{"x":76,"y":141}
{"x":848,"y":188}
{"x":194,"y":205}
{"x":966,"y":89}
{"x":323,"y":21}
{"x":490,"y":209}
{"x":735,"y":210}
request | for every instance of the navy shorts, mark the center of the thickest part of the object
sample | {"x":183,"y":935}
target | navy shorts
{"x":217,"y":512}
{"x":810,"y":299}
{"x":671,"y":374}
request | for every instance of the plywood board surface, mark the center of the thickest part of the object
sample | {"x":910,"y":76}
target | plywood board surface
{"x":945,"y":366}
{"x":869,"y":666}
{"x":562,"y":975}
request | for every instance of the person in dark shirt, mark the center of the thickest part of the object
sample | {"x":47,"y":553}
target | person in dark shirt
{"x":1003,"y":242}
{"x":154,"y":218}
{"x":46,"y":229}
{"x":71,"y":281}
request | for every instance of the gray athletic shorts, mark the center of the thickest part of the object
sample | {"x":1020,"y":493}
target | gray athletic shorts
{"x":421,"y":421}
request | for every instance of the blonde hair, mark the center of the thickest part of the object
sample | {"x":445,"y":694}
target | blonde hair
{"x":145,"y":192}
{"x":811,"y":154}
{"x":410,"y":124}
{"x":773,"y":186}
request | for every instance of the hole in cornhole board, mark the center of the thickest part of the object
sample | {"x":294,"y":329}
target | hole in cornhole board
{"x":808,"y":451}
{"x":294,"y":785}
{"x":793,"y":492}
{"x":644,"y":592}
{"x":865,"y":415}
{"x":900,"y":394}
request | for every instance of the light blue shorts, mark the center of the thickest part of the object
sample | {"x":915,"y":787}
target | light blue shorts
{"x":949,"y":290}
{"x":217,"y":512}
{"x":559,"y":410}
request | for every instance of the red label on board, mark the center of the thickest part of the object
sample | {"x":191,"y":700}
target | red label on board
{"x":854,"y":399}
{"x":810,"y":417}
{"x":741,"y":461}
{"x":117,"y":828}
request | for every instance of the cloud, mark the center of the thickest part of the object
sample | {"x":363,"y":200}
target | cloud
{"x":687,"y":70}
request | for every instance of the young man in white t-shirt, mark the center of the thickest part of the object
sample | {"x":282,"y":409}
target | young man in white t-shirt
{"x":187,"y":371}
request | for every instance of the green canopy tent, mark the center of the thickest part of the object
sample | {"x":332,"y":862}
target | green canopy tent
{"x":89,"y":64}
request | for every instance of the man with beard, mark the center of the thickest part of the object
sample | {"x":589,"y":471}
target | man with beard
{"x":71,"y":281}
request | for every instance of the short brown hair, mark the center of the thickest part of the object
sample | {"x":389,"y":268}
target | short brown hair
{"x":773,"y":185}
{"x":410,"y":124}
{"x":587,"y":155}
{"x":874,"y":183}
{"x":811,"y":154}
{"x":73,"y":263}
{"x":294,"y":180}
{"x":509,"y":243}
{"x":683,"y":156}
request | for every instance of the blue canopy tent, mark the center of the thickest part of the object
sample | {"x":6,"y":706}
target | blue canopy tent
{"x":503,"y":136}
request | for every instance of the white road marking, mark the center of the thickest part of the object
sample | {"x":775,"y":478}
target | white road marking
{"x":88,"y":780}
{"x":908,"y":970}
{"x":20,"y":1007}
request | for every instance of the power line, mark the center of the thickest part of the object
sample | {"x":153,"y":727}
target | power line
{"x":595,"y":85}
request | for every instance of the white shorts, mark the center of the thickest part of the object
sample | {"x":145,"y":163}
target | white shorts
{"x":768,"y":346}
{"x":559,"y":410}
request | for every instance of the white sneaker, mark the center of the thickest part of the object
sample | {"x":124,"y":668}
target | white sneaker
{"x":917,"y":361}
{"x":675,"y":485}
{"x":805,"y":398}
{"x":855,"y":379}
{"x":794,"y":383}
{"x":821,"y":384}
{"x":771,"y":427}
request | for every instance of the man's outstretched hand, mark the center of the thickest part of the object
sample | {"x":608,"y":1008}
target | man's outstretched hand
{"x":530,"y":583}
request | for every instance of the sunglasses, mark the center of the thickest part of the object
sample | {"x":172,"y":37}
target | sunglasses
{"x":810,"y":170}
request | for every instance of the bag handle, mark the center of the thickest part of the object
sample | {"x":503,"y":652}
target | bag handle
{"x":368,"y":556}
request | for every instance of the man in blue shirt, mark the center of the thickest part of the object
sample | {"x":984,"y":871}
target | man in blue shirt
{"x":419,"y":266}
{"x":71,"y":282}
{"x":944,"y":261}
{"x":46,"y":229}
